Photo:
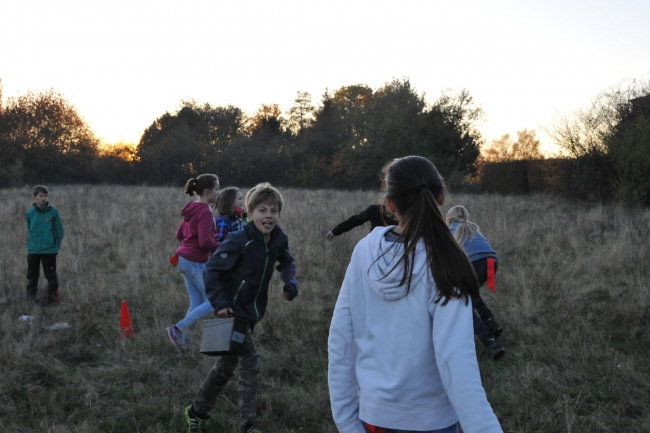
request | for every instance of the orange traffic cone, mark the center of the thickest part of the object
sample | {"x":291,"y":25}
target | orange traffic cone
{"x":125,"y":321}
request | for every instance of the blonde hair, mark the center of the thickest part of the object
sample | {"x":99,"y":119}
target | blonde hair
{"x":466,"y":230}
{"x":263,"y":193}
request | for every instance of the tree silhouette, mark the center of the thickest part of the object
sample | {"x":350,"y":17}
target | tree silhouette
{"x":49,"y":137}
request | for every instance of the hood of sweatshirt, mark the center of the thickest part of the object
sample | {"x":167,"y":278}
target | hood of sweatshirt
{"x":46,"y":207}
{"x":192,"y":208}
{"x":380,"y":256}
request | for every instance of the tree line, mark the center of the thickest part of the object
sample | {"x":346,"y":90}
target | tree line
{"x":609,"y":143}
{"x":341,"y":142}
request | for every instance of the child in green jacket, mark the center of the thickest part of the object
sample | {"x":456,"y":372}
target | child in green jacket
{"x":45,"y":233}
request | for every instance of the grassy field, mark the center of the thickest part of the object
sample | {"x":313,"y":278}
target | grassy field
{"x":572,"y":295}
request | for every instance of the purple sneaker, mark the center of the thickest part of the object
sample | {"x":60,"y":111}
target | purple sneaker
{"x":180,"y":341}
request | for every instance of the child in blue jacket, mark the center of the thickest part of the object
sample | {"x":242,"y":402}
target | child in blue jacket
{"x":479,"y":251}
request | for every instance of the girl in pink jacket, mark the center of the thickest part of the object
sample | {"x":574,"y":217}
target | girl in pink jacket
{"x":196,"y":233}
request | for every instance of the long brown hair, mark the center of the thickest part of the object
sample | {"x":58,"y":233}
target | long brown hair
{"x":414,"y":186}
{"x":226,"y":201}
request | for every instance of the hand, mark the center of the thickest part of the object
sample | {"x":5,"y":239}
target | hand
{"x":225,"y":313}
{"x":329,"y":236}
{"x":287,"y":296}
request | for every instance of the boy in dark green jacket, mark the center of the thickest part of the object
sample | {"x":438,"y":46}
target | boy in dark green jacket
{"x":44,"y":236}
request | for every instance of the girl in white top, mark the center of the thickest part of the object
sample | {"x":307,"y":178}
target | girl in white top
{"x":401,"y":342}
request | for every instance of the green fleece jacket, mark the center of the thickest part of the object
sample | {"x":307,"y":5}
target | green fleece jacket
{"x":44,"y":229}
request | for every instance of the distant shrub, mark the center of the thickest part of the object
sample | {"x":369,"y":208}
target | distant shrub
{"x":11,"y":174}
{"x":587,"y":178}
{"x":629,"y":149}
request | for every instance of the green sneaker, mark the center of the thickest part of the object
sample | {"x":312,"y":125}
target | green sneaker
{"x":195,"y":423}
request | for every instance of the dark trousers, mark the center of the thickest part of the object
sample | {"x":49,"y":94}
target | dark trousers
{"x":482,"y":312}
{"x":223,"y":370}
{"x":49,"y":269}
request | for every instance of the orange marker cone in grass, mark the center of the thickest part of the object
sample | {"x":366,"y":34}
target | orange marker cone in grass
{"x":125,"y":321}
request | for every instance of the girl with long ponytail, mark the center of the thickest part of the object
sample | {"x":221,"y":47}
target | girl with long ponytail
{"x":196,"y":234}
{"x":401,"y":342}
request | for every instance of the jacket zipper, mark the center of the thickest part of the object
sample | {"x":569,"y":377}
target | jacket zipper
{"x":238,"y":289}
{"x":266,"y":262}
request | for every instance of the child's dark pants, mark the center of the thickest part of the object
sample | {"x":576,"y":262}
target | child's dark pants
{"x":223,"y":370}
{"x":49,"y":269}
{"x":482,"y":313}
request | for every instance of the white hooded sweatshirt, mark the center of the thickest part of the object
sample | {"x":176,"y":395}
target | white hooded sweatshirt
{"x":399,"y":360}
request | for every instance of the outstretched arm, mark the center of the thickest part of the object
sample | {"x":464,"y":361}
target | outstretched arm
{"x":350,"y":223}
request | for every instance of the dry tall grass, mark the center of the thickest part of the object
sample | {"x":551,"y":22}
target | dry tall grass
{"x":572,"y":297}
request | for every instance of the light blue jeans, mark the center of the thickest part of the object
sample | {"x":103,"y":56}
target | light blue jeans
{"x":200,"y":307}
{"x":450,"y":429}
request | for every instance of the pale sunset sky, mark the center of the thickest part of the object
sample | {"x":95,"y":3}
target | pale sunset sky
{"x":124,"y":63}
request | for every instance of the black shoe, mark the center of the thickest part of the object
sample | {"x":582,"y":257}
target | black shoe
{"x":248,"y":428}
{"x":494,"y":327}
{"x":195,"y":422}
{"x":493,"y":349}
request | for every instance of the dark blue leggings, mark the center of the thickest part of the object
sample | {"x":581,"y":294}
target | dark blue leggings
{"x":482,"y":312}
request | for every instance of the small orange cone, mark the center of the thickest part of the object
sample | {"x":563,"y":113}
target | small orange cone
{"x":125,"y":321}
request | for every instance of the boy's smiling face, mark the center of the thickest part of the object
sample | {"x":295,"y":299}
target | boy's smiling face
{"x":40,"y":199}
{"x":265,"y":217}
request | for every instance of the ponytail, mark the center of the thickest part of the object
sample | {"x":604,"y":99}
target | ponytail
{"x":414,"y":186}
{"x":197,"y":185}
{"x":190,"y":187}
{"x":466,"y":230}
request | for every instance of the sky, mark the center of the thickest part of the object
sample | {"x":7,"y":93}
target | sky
{"x":122,"y":63}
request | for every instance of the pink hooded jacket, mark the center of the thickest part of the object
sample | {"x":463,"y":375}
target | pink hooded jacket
{"x":196,"y":233}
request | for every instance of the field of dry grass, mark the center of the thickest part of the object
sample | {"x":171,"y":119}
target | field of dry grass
{"x":572,"y":295}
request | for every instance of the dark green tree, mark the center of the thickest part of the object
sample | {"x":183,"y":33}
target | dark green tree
{"x":267,"y":152}
{"x":194,"y":140}
{"x":605,"y":142}
{"x":384,"y":126}
{"x":629,"y":148}
{"x":320,"y":164}
{"x":301,"y":114}
{"x":452,"y":135}
{"x":45,"y":135}
{"x":395,"y":121}
{"x":115,"y":164}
